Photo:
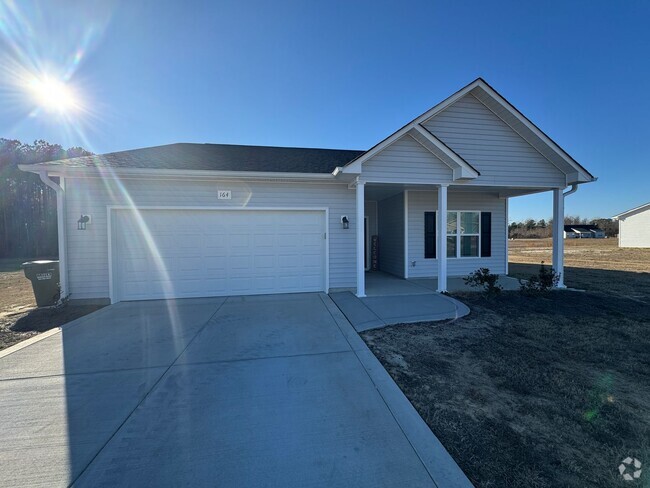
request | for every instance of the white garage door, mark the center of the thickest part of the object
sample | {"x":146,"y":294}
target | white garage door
{"x":201,"y":253}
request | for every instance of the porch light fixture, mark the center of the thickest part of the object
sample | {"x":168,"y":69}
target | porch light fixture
{"x":83,"y":221}
{"x":345,"y":221}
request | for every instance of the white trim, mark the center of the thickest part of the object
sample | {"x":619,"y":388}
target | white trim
{"x":406,"y":234}
{"x":62,"y":170}
{"x":458,"y":234}
{"x":558,"y":234}
{"x":460,"y":168}
{"x":624,"y":215}
{"x":355,"y":166}
{"x":534,"y":129}
{"x":109,"y":228}
{"x":507,"y":234}
{"x":361,"y":272}
{"x":462,"y":184}
{"x":441,"y":251}
{"x":110,"y":208}
{"x":327,"y":249}
{"x":59,"y":190}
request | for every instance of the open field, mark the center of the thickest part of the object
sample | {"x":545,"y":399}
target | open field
{"x":590,"y":264}
{"x":19,"y":317}
{"x":542,"y":391}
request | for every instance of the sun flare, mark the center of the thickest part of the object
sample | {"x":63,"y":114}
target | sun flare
{"x":53,"y":95}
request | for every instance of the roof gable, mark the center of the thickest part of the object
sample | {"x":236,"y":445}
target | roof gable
{"x":405,"y":161}
{"x":483,"y":92}
{"x":632,"y":211}
{"x":490,"y":145}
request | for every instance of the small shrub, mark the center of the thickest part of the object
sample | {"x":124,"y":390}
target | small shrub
{"x":544,"y":281}
{"x":482,"y":277}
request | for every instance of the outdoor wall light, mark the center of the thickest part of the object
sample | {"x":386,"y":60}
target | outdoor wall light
{"x":83,"y":221}
{"x":345,"y":221}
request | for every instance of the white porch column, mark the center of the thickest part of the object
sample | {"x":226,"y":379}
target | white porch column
{"x":361,"y":272}
{"x":558,"y":234}
{"x":441,"y":236}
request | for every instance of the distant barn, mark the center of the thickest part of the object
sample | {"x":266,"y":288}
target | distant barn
{"x":634,"y":227}
{"x":583,"y":231}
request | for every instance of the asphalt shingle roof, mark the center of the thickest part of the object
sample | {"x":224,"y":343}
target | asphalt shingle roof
{"x":580,"y":227}
{"x":219,"y":157}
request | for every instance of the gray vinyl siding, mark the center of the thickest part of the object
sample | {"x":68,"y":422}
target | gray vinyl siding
{"x":634,"y":230}
{"x":427,"y":201}
{"x":486,"y":142}
{"x":391,"y":235}
{"x":88,"y":250}
{"x":406,"y":161}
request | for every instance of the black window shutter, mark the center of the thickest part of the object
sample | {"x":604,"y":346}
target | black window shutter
{"x":429,"y":235}
{"x":486,"y":234}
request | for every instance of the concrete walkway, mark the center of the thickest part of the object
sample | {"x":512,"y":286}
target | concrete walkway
{"x":379,"y":311}
{"x":244,"y":391}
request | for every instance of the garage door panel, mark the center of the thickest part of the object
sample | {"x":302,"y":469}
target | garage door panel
{"x":183,"y":253}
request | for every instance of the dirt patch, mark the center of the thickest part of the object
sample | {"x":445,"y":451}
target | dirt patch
{"x":531,"y":392}
{"x":17,"y":327}
{"x":19,"y":317}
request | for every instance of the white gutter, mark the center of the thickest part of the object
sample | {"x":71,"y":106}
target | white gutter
{"x":60,"y":219}
{"x":62,"y":170}
{"x":574,"y":188}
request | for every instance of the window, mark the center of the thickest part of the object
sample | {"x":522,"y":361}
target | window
{"x":469,"y":234}
{"x":463,"y":234}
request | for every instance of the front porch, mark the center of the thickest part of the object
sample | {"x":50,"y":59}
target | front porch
{"x":380,"y":284}
{"x":422,"y":239}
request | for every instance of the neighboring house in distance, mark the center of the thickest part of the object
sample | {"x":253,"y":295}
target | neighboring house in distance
{"x":634,"y":227}
{"x":583,"y":231}
{"x":196,"y":220}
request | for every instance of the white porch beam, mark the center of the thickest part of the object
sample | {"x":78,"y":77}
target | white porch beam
{"x":558,"y":234}
{"x":361,"y":272}
{"x":441,"y":236}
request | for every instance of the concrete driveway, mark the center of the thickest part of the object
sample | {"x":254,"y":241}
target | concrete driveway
{"x":241,"y":391}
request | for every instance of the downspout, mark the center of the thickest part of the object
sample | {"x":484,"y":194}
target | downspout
{"x":574,"y":188}
{"x":60,"y":214}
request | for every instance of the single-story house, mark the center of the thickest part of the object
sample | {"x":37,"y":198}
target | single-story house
{"x":193,"y":220}
{"x":583,"y":231}
{"x":634,"y":227}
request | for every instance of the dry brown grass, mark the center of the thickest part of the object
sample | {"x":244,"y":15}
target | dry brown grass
{"x":531,"y":392}
{"x":590,"y":264}
{"x":538,"y":392}
{"x":582,"y":253}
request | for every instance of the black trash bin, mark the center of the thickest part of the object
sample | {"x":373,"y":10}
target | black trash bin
{"x":44,"y":276}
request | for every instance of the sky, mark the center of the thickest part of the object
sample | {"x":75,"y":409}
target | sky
{"x":334,"y":74}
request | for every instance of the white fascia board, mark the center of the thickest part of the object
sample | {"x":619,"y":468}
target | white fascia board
{"x":640,"y":208}
{"x":355,"y":166}
{"x":58,"y":170}
{"x":584,"y":176}
{"x":460,"y":168}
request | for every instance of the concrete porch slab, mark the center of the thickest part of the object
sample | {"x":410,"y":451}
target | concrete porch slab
{"x":374,"y":312}
{"x":458,"y":284}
